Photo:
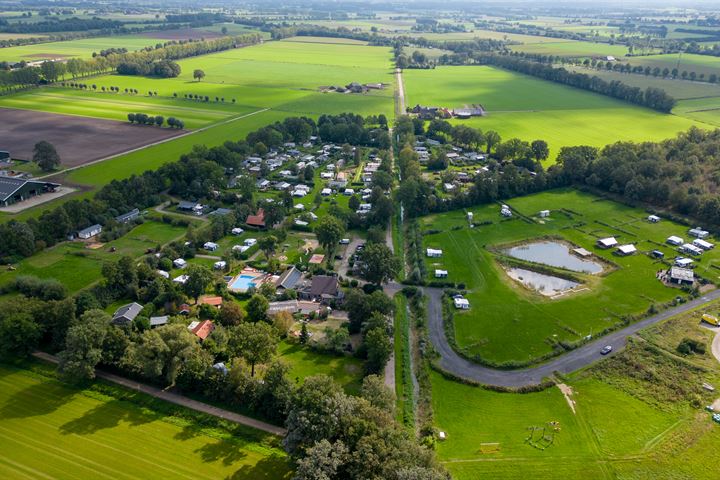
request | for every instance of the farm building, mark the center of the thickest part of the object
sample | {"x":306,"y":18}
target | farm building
{"x":126,"y":314}
{"x":433,"y":253}
{"x":608,"y":242}
{"x":129,"y":216}
{"x":89,"y":232}
{"x":625,"y":250}
{"x":698,"y":232}
{"x":682,"y":276}
{"x":441,"y":273}
{"x":14,"y":190}
{"x":673,"y":240}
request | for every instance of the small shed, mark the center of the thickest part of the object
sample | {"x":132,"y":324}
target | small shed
{"x":441,"y":273}
{"x":608,"y":242}
{"x":544,"y":213}
{"x":653,"y":218}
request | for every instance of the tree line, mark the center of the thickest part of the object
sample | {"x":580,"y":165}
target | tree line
{"x":59,"y":25}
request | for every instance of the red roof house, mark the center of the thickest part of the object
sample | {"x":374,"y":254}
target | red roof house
{"x":257,"y":220}
{"x":202,"y":330}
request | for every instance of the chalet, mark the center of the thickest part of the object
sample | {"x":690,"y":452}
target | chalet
{"x":281,"y":186}
{"x":179,"y":263}
{"x":676,"y":241}
{"x":657,"y":254}
{"x":158,"y":321}
{"x":211,"y":246}
{"x":348,"y":192}
{"x":126,"y":314}
{"x":691,"y":249}
{"x":433,"y":253}
{"x":626,"y":250}
{"x":128,"y":217}
{"x":202,"y":330}
{"x":461,"y":303}
{"x":249,"y":242}
{"x":698,"y":232}
{"x":326,"y":175}
{"x":682,"y":276}
{"x":441,"y":273}
{"x":544,"y":213}
{"x":212,"y":300}
{"x":14,"y":190}
{"x":257,"y":220}
{"x":653,"y":218}
{"x":89,"y":232}
{"x":705,"y":245}
{"x":262,"y":184}
{"x":608,"y":242}
{"x":237,"y":231}
{"x":220,"y":265}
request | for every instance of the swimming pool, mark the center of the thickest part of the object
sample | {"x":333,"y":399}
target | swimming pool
{"x":242,"y":283}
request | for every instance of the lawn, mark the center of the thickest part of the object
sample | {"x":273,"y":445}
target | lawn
{"x":305,"y":362}
{"x":529,"y":108}
{"x":621,"y":427}
{"x":50,"y":430}
{"x":78,"y":267}
{"x":508,"y":323}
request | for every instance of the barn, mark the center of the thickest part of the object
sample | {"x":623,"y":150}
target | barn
{"x":14,"y":190}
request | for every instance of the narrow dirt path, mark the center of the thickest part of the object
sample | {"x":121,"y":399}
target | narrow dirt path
{"x":178,"y":399}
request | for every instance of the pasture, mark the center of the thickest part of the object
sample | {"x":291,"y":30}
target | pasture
{"x":508,"y":323}
{"x":565,"y":48}
{"x":73,"y":48}
{"x":51,"y":430}
{"x":624,"y":424}
{"x":528,"y":108}
{"x":304,"y":362}
{"x":691,"y":62}
{"x":78,"y":267}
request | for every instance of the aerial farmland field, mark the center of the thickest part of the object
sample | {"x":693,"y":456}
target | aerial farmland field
{"x":528,"y":108}
{"x":511,"y":324}
{"x":87,"y":433}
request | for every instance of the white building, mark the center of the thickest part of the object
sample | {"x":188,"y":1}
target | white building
{"x":179,"y":263}
{"x":461,"y":303}
{"x":441,"y":273}
{"x":673,"y":240}
{"x":608,"y":242}
{"x":210,"y":246}
{"x":433,"y":253}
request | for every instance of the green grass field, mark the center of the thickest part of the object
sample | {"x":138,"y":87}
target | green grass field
{"x":78,"y":267}
{"x":508,"y":323}
{"x":621,"y":428}
{"x":572,"y":49}
{"x":692,"y":63}
{"x":74,"y":48}
{"x":529,"y":108}
{"x":50,"y":430}
{"x":304,"y":362}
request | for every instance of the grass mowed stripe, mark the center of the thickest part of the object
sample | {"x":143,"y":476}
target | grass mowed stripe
{"x":49,"y":430}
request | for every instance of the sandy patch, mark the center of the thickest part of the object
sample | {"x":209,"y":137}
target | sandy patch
{"x":567,"y":393}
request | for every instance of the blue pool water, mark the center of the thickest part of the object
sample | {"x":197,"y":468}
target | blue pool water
{"x":242,"y":282}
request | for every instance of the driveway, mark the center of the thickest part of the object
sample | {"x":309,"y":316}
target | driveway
{"x":566,"y":363}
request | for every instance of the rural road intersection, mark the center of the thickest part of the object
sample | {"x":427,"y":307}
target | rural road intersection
{"x":566,"y":363}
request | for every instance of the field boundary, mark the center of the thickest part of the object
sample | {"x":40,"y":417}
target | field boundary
{"x":178,"y":399}
{"x":159,"y":142}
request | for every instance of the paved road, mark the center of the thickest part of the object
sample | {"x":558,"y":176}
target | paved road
{"x":716,"y":345}
{"x":567,"y":363}
{"x":179,"y":399}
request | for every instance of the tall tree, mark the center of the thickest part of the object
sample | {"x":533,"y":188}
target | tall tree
{"x":198,"y":74}
{"x":379,"y":263}
{"x":329,"y":232}
{"x":255,"y":342}
{"x":199,"y":278}
{"x":84,"y":346}
{"x":45,"y":155}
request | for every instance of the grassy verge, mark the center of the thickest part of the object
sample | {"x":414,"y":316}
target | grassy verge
{"x":403,"y":368}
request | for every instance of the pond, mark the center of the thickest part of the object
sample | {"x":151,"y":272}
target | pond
{"x":543,"y":284}
{"x":555,"y":254}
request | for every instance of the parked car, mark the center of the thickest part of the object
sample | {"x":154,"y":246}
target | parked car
{"x":606,"y":349}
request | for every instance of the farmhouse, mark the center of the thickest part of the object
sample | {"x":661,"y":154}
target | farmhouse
{"x":673,"y":240}
{"x":433,"y":253}
{"x":129,"y":216}
{"x":126,"y":314}
{"x":698,"y":232}
{"x":681,"y":276}
{"x":257,"y":220}
{"x":89,"y":232}
{"x":625,"y":250}
{"x":14,"y":190}
{"x":608,"y":242}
